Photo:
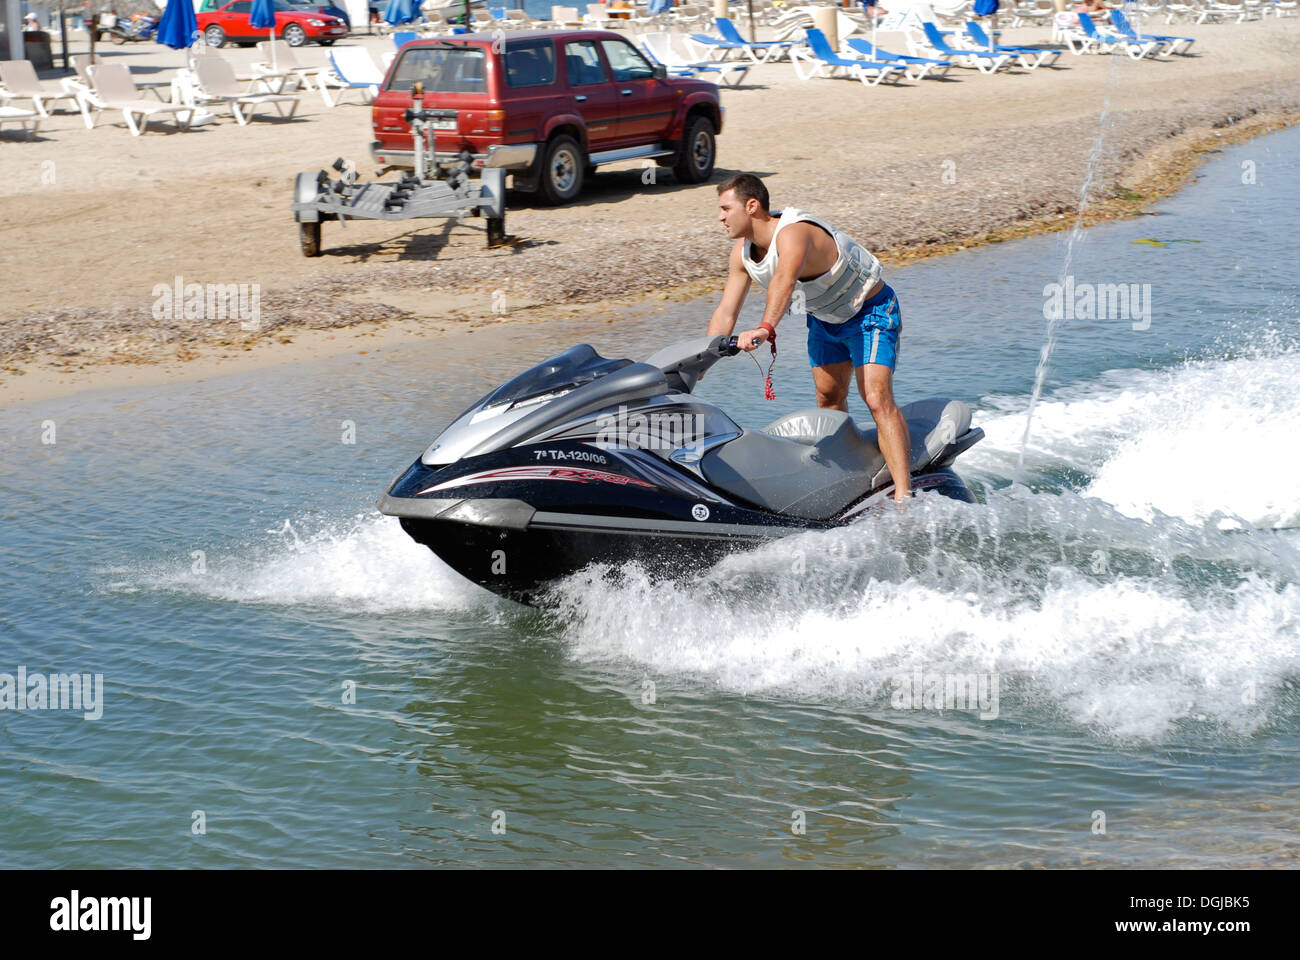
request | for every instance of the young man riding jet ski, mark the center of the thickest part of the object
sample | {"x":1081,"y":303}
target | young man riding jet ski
{"x":853,"y":315}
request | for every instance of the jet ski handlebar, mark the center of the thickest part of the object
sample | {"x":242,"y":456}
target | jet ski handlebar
{"x":684,"y":362}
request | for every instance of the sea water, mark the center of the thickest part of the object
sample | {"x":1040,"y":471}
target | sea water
{"x":1095,"y":666}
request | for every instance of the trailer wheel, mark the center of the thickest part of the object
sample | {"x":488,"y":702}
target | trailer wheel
{"x":309,"y":237}
{"x":496,"y":231}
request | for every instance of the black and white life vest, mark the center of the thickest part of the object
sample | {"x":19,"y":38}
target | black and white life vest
{"x":838,"y":294}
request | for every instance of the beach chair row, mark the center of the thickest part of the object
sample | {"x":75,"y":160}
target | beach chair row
{"x":110,"y":86}
{"x":1216,"y":11}
{"x":275,"y":81}
{"x":932,"y":52}
{"x":1081,"y":34}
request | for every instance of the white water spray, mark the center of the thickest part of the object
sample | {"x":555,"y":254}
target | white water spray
{"x":1045,"y":357}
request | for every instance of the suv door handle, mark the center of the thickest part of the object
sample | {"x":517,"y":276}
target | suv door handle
{"x":626,"y":93}
{"x":580,"y":97}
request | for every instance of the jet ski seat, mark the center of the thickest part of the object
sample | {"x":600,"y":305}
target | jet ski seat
{"x":814,"y":463}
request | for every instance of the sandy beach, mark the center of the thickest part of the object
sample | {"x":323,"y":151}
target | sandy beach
{"x":95,"y":219}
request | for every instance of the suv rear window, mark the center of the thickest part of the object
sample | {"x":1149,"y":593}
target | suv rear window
{"x":530,"y":63}
{"x":443,"y":69}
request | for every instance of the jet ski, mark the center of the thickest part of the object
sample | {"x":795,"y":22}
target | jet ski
{"x":584,"y":459}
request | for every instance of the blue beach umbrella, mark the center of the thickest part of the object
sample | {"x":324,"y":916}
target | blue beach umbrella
{"x":179,"y":27}
{"x":400,"y":11}
{"x":989,"y":8}
{"x":262,"y":17}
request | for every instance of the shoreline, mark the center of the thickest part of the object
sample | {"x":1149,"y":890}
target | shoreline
{"x":40,"y":381}
{"x":364,"y":301}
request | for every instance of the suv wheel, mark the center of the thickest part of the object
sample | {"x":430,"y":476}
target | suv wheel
{"x":294,"y":35}
{"x":563,"y":167}
{"x":214,"y":37}
{"x":699,"y":148}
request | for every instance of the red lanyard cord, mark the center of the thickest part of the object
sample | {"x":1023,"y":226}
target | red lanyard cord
{"x":768,"y":392}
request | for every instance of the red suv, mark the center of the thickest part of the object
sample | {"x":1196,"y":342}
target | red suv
{"x":294,"y":25}
{"x":549,"y":106}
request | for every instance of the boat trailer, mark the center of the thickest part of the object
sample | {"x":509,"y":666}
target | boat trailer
{"x":422,"y":194}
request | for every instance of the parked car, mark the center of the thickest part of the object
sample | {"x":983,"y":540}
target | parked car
{"x":229,"y":22}
{"x":549,"y":106}
{"x":322,"y":6}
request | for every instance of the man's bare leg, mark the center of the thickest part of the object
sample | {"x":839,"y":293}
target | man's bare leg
{"x":832,"y":383}
{"x":876,"y":384}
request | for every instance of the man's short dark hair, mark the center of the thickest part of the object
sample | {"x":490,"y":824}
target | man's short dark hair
{"x":747,"y":187}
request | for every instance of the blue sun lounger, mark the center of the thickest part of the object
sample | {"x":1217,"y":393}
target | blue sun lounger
{"x":917,"y":67}
{"x":827,"y":63}
{"x":1172,"y":44}
{"x":760,"y":51}
{"x":1030,"y":57}
{"x":714,"y":45}
{"x":980,"y":60}
{"x":1136,"y":49}
{"x":658,"y":47}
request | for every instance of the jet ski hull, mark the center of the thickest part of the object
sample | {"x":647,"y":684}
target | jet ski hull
{"x":518,"y":521}
{"x":584,"y":459}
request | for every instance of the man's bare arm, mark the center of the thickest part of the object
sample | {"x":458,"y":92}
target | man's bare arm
{"x":724,"y":317}
{"x":792,"y":245}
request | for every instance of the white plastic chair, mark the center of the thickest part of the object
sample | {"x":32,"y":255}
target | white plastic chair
{"x":565,"y":17}
{"x":21,"y":83}
{"x":217,"y":83}
{"x":29,"y":120}
{"x":115,"y":90}
{"x":281,"y":60}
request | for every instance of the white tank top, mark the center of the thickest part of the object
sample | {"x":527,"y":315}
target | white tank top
{"x":837,"y":294}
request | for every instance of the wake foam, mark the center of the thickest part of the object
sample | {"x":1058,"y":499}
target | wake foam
{"x":1080,"y":609}
{"x":364,"y":564}
{"x":1199,"y":439}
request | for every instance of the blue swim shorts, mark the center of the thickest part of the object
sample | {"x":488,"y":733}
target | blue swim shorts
{"x":870,"y":337}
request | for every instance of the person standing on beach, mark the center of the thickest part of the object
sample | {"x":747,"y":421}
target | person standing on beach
{"x":853,"y":315}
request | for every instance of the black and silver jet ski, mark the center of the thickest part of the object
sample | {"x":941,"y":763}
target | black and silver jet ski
{"x":583,"y":459}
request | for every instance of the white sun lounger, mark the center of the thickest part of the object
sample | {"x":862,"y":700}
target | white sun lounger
{"x":115,"y":90}
{"x":280,"y":60}
{"x":565,"y":17}
{"x":21,"y":83}
{"x":29,"y":120}
{"x":217,"y":84}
